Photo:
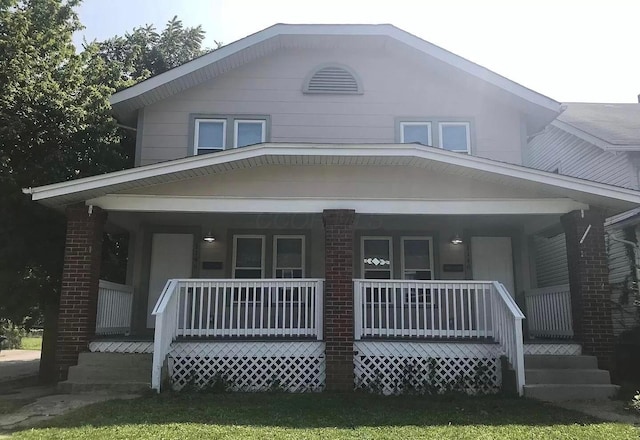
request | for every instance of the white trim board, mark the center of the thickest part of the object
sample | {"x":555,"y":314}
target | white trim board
{"x":150,"y":203}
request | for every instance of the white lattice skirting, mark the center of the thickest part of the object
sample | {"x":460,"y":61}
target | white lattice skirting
{"x":294,"y":366}
{"x":391,"y":367}
{"x":121,"y":346}
{"x":553,"y":349}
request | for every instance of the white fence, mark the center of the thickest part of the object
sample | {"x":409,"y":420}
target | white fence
{"x":398,"y":308}
{"x":549,"y":311}
{"x":440,"y":309}
{"x":114,"y":308}
{"x":236,"y":308}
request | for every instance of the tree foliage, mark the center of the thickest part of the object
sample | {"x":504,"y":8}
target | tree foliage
{"x":56,"y":125}
{"x":144,"y":52}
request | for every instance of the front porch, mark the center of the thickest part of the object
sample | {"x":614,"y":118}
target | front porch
{"x":339,"y":247}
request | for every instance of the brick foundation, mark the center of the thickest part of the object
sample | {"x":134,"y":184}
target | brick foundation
{"x":589,"y":281}
{"x":80,"y":277}
{"x":338,"y":291}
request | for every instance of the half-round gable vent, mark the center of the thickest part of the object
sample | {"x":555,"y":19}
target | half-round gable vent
{"x":333,"y":79}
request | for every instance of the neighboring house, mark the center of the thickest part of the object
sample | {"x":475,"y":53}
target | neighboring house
{"x":329,"y":206}
{"x":599,"y":142}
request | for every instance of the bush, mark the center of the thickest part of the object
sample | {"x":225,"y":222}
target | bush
{"x":635,"y":402}
{"x":13,"y":334}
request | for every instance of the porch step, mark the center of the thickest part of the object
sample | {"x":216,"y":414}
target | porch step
{"x":565,"y":377}
{"x":109,"y":372}
{"x":559,"y":392}
{"x":542,"y":361}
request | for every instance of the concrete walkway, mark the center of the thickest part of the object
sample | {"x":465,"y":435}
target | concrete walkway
{"x":18,"y":364}
{"x":47,"y":405}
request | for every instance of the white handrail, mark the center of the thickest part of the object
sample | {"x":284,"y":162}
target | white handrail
{"x":235,"y":308}
{"x":422,"y":309}
{"x":166,"y":313}
{"x":113,"y":311}
{"x":507,"y":321}
{"x":441,"y":309}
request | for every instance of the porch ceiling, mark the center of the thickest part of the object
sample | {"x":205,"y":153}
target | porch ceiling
{"x":533,"y":190}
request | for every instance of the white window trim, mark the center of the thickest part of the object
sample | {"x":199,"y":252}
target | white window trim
{"x":406,"y":123}
{"x":275,"y":253}
{"x":236,"y":122}
{"x":380,"y":238}
{"x":235,"y":251}
{"x":196,"y":134}
{"x":441,"y":138}
{"x":402,"y":256}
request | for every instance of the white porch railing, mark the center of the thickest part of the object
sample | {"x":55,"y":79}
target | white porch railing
{"x":114,"y":308}
{"x":235,"y":308}
{"x":549,"y":311}
{"x":440,"y":309}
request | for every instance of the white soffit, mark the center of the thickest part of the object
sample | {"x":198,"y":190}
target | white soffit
{"x":279,"y":36}
{"x":549,"y":185}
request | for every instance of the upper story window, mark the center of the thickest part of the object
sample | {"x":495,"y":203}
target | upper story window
{"x":419,"y":132}
{"x":448,"y":135}
{"x":210,"y":135}
{"x":454,"y":136}
{"x":217,"y":133}
{"x":333,"y":79}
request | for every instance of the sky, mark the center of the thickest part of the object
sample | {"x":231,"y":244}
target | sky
{"x":569,"y":50}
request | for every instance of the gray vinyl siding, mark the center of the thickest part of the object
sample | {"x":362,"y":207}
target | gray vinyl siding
{"x":624,"y":316}
{"x":551,"y":260}
{"x":395,"y":86}
{"x":572,"y":156}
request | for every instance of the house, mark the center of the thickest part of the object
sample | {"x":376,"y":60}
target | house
{"x":323,"y":207}
{"x":599,"y":142}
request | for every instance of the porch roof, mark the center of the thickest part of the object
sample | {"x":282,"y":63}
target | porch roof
{"x":580,"y":193}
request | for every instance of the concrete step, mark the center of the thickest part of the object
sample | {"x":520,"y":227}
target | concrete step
{"x":116,"y":360}
{"x":89,"y":374}
{"x":559,"y":392}
{"x":566,"y":376}
{"x":538,"y":361}
{"x":69,"y":387}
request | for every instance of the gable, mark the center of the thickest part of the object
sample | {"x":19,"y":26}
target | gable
{"x":539,"y":109}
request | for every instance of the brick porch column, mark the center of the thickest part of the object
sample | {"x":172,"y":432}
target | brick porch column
{"x":80,"y":276}
{"x":338,"y":296}
{"x":589,"y":282}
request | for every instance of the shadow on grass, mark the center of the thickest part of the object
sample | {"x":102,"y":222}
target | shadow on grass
{"x":320,"y":411}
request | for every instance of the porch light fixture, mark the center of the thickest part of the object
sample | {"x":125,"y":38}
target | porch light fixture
{"x":456,"y":239}
{"x":209,"y":238}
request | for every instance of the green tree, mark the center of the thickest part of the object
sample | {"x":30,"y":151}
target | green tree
{"x":56,"y":125}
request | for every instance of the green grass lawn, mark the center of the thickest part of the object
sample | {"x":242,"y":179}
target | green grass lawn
{"x":325,"y":416}
{"x":31,"y":343}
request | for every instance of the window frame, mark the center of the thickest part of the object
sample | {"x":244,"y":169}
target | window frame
{"x":229,"y":129}
{"x":238,"y":121}
{"x":389,"y":239}
{"x":196,"y":134}
{"x":429,"y":125}
{"x":403,"y":268}
{"x":235,"y":254}
{"x":455,"y":123}
{"x":275,"y":254}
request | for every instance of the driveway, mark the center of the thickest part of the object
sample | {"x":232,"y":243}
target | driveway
{"x":17,"y":364}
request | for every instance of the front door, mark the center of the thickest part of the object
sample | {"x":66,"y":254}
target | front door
{"x":171,"y":257}
{"x":492,"y":260}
